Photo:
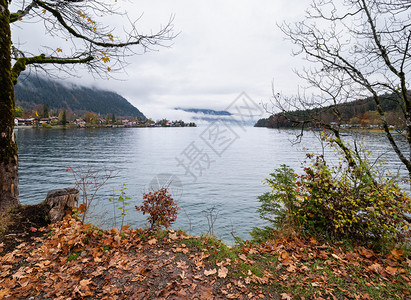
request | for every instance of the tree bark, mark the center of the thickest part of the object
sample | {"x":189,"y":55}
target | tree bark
{"x":60,"y":201}
{"x":8,"y":148}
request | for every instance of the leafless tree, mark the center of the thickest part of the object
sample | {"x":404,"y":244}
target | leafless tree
{"x":357,"y":49}
{"x":89,"y":181}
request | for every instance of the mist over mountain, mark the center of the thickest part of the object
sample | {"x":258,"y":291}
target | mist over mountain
{"x":211,"y":115}
{"x":34,"y":90}
{"x":205,"y":111}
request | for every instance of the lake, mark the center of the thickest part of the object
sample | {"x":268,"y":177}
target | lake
{"x":214,"y":172}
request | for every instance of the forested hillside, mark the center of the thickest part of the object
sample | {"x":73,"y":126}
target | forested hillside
{"x":356,"y":113}
{"x":32,"y":91}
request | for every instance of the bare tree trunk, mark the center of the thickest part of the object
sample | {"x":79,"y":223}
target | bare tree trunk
{"x":8,"y":147}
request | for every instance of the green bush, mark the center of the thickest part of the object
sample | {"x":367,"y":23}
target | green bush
{"x":279,"y":204}
{"x":338,"y":203}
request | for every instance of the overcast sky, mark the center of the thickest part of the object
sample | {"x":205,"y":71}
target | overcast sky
{"x":223,"y":48}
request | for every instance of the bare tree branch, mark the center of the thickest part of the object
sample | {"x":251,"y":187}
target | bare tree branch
{"x":361,"y":49}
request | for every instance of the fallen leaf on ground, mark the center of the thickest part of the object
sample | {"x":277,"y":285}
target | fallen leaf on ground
{"x":286,"y":296}
{"x":377,"y":268}
{"x":336,"y":256}
{"x":291,"y":268}
{"x":152,"y":241}
{"x":243,"y":257}
{"x":207,"y":295}
{"x":366,"y":253}
{"x":390,"y":270}
{"x":397,"y":253}
{"x":173,"y":236}
{"x":284,"y":255}
{"x":210,"y":272}
{"x":183,"y":275}
{"x":222,"y":272}
{"x":85,"y":282}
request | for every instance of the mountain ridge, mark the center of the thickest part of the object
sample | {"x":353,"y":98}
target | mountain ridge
{"x":36,"y":90}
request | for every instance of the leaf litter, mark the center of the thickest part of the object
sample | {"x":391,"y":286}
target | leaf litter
{"x":76,"y":261}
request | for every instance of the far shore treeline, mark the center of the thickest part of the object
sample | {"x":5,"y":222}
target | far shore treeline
{"x":361,"y":113}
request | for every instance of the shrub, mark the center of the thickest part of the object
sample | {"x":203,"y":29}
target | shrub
{"x":279,"y":204}
{"x":122,"y":199}
{"x":341,"y":203}
{"x":161,"y":208}
{"x":88,"y":181}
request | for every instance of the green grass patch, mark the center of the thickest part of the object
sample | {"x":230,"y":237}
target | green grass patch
{"x":73,"y":256}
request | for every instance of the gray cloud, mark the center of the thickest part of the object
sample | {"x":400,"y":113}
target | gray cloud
{"x":223,"y":49}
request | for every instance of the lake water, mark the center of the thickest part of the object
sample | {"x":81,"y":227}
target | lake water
{"x":223,"y":172}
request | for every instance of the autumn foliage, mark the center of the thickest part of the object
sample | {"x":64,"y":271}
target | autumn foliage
{"x":340,"y":202}
{"x":160,"y":207}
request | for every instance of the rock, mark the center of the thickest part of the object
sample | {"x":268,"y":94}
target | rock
{"x":60,"y":201}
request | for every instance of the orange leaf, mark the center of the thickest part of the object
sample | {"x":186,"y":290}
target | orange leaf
{"x":286,"y":262}
{"x":82,"y":208}
{"x":390,"y":270}
{"x":397,"y":253}
{"x":313,"y":241}
{"x":4,"y":292}
{"x":125,"y":227}
{"x":366,"y":253}
{"x":284,"y":255}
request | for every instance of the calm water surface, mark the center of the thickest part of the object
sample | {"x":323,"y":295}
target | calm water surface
{"x":230,"y":182}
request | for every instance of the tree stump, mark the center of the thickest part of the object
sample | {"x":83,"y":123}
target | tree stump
{"x":60,"y":201}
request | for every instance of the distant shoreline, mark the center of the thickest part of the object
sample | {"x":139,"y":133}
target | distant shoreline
{"x":95,"y":127}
